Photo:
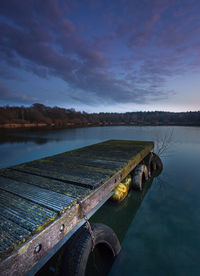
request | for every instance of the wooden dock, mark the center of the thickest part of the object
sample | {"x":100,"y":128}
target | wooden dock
{"x":43,"y":200}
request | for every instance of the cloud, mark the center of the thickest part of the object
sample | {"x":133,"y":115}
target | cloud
{"x":8,"y":74}
{"x":126,"y":57}
{"x":10,"y":96}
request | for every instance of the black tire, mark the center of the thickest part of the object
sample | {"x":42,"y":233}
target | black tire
{"x":153,"y":163}
{"x":157,"y":164}
{"x":147,"y":162}
{"x":140,"y":175}
{"x":80,"y":245}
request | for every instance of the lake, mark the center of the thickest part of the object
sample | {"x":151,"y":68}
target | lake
{"x":159,"y":229}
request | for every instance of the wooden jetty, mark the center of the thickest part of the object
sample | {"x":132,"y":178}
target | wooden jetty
{"x":43,"y":201}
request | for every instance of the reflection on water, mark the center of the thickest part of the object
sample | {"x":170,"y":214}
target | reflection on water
{"x":121,"y":214}
{"x":25,"y":136}
{"x":159,"y":231}
{"x":5,"y":138}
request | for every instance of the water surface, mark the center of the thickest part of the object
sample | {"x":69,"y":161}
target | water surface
{"x":159,"y":229}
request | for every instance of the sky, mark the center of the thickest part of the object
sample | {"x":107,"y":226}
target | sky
{"x":101,"y":56}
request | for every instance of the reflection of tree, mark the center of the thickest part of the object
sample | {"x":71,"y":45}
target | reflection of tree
{"x":162,"y":142}
{"x":8,"y":138}
{"x":61,"y":117}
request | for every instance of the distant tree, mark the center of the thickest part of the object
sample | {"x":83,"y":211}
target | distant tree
{"x":61,"y":117}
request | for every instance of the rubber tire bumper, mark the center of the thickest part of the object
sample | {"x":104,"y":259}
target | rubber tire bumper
{"x":140,"y":175}
{"x":158,"y":165}
{"x":153,"y":163}
{"x":80,"y":245}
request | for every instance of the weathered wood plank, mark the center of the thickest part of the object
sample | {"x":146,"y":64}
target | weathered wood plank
{"x":73,"y":167}
{"x":46,"y":198}
{"x":46,"y":183}
{"x":24,"y":258}
{"x":113,"y":150}
{"x":79,"y":177}
{"x":25,"y":213}
{"x":90,"y":163}
{"x":11,"y":236}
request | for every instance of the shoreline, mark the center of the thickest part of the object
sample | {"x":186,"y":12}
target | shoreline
{"x":13,"y":126}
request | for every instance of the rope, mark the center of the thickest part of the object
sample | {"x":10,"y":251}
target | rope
{"x":88,"y":225}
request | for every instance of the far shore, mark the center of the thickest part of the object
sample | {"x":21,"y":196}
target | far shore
{"x":26,"y":125}
{"x":40,"y":116}
{"x":71,"y":125}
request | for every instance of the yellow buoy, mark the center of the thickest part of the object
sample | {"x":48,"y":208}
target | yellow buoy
{"x":121,"y":191}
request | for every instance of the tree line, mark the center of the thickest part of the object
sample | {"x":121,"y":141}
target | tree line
{"x":61,"y":117}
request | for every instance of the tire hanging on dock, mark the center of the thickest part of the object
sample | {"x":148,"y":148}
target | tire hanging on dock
{"x":153,"y":163}
{"x":140,"y":175}
{"x":80,"y":245}
{"x":157,"y":163}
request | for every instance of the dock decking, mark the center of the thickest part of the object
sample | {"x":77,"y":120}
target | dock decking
{"x":43,"y":200}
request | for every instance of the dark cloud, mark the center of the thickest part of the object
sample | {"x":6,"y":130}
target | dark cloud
{"x":39,"y":71}
{"x":8,"y":74}
{"x":127,"y":57}
{"x":8,"y":95}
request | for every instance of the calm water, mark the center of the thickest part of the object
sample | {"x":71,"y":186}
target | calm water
{"x":159,"y":229}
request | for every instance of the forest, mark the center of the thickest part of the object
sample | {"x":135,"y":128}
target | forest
{"x":45,"y":116}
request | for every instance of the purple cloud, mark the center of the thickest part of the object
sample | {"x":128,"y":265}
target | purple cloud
{"x":127,"y":57}
{"x":9,"y":95}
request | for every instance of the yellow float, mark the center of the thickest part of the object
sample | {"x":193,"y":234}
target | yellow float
{"x":122,"y":189}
